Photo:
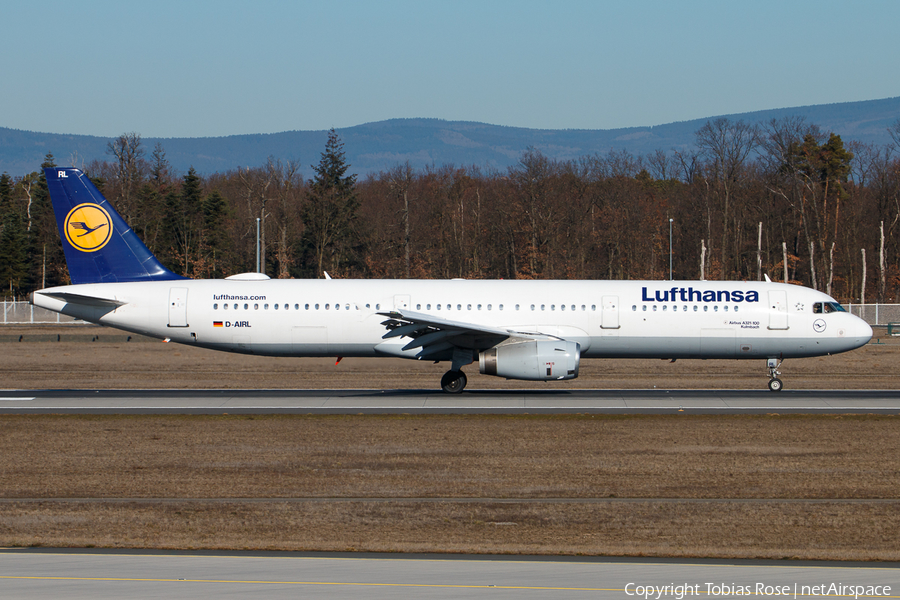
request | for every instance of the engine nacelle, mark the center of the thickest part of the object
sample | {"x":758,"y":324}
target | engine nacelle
{"x":535,"y":360}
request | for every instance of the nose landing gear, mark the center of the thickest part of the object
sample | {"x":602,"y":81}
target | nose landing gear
{"x":775,"y":384}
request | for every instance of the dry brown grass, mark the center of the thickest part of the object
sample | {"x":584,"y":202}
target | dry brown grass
{"x":223,"y":463}
{"x":113,"y":363}
{"x":768,"y":530}
{"x":215,"y":482}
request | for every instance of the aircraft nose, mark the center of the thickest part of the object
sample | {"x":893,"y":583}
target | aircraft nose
{"x":858,"y":333}
{"x":864,"y":331}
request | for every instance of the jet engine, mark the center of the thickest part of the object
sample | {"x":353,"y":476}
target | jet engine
{"x":535,"y":360}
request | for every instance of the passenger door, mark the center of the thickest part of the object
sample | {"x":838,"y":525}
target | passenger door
{"x":178,"y":307}
{"x":778,"y":314}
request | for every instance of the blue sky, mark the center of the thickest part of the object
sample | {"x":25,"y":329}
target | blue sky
{"x":196,"y":68}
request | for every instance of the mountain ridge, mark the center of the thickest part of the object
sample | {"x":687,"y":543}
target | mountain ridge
{"x":427,"y":141}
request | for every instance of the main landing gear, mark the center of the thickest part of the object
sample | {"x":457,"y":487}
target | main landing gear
{"x":453,"y":382}
{"x":775,"y":384}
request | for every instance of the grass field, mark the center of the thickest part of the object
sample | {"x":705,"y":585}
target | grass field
{"x":772,"y":486}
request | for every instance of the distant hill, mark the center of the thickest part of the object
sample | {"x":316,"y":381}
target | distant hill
{"x":374,"y":147}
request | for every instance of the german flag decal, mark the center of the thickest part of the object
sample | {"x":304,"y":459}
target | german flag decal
{"x":217,"y":323}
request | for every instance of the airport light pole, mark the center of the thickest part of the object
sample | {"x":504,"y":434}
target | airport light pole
{"x":670,"y":249}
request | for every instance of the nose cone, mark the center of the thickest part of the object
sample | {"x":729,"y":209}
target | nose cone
{"x":858,"y":333}
{"x":865,"y":332}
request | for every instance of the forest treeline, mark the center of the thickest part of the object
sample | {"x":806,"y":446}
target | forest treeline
{"x":786,"y":200}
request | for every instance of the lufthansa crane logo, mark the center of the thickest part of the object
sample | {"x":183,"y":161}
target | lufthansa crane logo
{"x":88,"y":227}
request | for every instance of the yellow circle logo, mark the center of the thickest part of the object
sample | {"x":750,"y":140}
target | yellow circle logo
{"x":88,"y":227}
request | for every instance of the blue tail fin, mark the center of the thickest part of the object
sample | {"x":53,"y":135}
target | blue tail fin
{"x":99,"y":246}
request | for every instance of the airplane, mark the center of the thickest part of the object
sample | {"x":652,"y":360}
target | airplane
{"x":517,"y":329}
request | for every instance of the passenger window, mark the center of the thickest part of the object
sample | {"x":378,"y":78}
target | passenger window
{"x":225,"y":307}
{"x":645,"y":308}
{"x":695,"y":308}
{"x":306,"y":306}
{"x":256,"y":307}
{"x":633,"y":307}
{"x":706,"y":308}
{"x":215,"y":307}
{"x":276,"y":307}
{"x":246,"y":306}
{"x":266,"y":306}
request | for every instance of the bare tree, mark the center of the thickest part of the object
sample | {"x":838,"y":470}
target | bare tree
{"x":130,"y":169}
{"x":726,"y":145}
{"x":400,"y":179}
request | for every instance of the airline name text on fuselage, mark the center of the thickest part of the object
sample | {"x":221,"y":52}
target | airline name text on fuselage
{"x":689,"y":294}
{"x":230,"y":297}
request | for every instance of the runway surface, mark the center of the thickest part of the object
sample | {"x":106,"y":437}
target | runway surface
{"x":95,"y":575}
{"x":436,"y":402}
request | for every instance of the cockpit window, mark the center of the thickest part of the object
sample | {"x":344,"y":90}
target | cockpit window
{"x":827,"y":307}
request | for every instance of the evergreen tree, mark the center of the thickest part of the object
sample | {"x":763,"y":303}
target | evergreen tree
{"x":330,"y":240}
{"x":215,"y":209}
{"x":13,"y":254}
{"x":5,"y":193}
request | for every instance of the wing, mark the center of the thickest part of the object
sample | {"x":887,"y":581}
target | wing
{"x":439,"y":339}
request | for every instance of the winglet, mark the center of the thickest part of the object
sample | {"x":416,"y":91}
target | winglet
{"x":99,"y":246}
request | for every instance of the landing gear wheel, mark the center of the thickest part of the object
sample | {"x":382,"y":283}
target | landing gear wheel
{"x":775,"y":384}
{"x":453,"y":382}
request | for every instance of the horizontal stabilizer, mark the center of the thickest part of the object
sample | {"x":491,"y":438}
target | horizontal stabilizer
{"x":84,"y":300}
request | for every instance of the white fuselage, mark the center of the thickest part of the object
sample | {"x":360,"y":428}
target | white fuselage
{"x":637,"y":319}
